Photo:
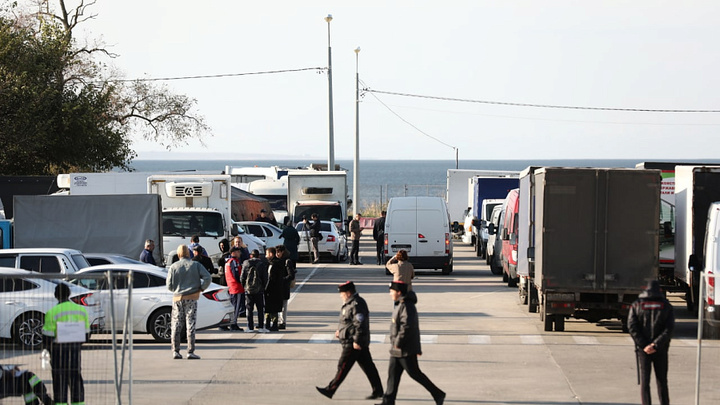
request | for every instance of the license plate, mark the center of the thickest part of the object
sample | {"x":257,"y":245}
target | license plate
{"x":396,"y":248}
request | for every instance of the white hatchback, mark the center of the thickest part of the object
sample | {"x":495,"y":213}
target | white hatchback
{"x":26,"y":299}
{"x":152,"y":301}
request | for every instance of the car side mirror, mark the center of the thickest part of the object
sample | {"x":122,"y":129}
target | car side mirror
{"x":491,"y":228}
{"x":531,"y":254}
{"x":234,"y":230}
{"x":505,"y":234}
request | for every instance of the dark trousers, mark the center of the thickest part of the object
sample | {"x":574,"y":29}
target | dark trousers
{"x":380,"y":250}
{"x":355,"y":251}
{"x":65,"y":361}
{"x":395,"y":370}
{"x":347,"y":359}
{"x":238,"y":301}
{"x":251,"y":301}
{"x":659,"y":360}
{"x":27,"y":385}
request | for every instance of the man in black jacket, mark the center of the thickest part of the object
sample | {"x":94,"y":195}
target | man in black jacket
{"x":354,"y":335}
{"x":651,"y":322}
{"x":405,"y":345}
{"x":379,"y":237}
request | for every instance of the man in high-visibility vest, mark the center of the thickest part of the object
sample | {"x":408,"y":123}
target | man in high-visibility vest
{"x":66,"y":328}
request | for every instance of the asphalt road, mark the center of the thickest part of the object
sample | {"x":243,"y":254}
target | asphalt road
{"x":480,"y":346}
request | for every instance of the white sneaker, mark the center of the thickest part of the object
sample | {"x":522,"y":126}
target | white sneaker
{"x":263,"y":330}
{"x":250,"y":330}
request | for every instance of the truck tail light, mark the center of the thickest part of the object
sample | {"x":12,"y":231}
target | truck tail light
{"x":447,"y":243}
{"x":562,"y":305}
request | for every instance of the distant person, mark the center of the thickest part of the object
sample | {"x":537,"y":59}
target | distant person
{"x":315,"y":231}
{"x":291,"y":239}
{"x":195,"y":241}
{"x":401,"y":269}
{"x":66,"y":348}
{"x":651,"y":322}
{"x":186,"y":279}
{"x":405,"y":345}
{"x":15,"y":382}
{"x":254,"y":278}
{"x":289,"y":282}
{"x":235,"y":288}
{"x":355,"y":234}
{"x":379,"y":237}
{"x":274,"y":289}
{"x":353,"y":332}
{"x":264,"y":218}
{"x":202,"y":259}
{"x":146,"y":256}
{"x":239,"y":243}
{"x":224,"y":246}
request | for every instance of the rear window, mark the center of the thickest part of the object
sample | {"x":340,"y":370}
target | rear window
{"x":7,"y":261}
{"x":80,"y":261}
{"x":324,"y":226}
{"x":41,"y":264}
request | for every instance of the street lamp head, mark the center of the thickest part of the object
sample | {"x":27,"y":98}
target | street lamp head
{"x":357,"y":50}
{"x":328,"y":18}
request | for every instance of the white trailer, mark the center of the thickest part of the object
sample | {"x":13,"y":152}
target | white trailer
{"x":324,"y":193}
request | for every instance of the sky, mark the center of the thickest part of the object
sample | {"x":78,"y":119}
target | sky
{"x":658,"y":55}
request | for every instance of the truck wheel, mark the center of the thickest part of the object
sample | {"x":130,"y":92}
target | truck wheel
{"x":505,"y":277}
{"x":496,"y":270}
{"x":532,"y":298}
{"x":559,"y":323}
{"x":512,"y":282}
{"x":447,"y":269}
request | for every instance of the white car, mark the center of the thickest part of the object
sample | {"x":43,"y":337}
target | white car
{"x":333,"y":243}
{"x":152,"y":301}
{"x":25,"y":300}
{"x":252,"y":241}
{"x":268,"y":233}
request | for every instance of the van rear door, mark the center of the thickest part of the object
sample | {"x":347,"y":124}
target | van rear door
{"x":402,"y":221}
{"x":432,"y":224}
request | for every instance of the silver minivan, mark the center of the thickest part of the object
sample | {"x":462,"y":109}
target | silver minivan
{"x":421,"y":226}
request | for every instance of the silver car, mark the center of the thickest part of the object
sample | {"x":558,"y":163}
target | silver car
{"x":333,"y":243}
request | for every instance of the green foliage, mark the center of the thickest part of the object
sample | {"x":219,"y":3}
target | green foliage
{"x":60,"y":112}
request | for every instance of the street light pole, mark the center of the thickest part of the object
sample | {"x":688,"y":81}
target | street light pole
{"x":331,"y":132}
{"x":356,"y":165}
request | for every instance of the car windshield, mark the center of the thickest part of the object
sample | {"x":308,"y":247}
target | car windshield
{"x":192,"y":223}
{"x":325,"y":212}
{"x":324,"y":226}
{"x":80,"y":261}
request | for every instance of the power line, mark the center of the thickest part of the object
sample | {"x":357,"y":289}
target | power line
{"x":566,"y":107}
{"x":409,"y":123}
{"x":265,"y":72}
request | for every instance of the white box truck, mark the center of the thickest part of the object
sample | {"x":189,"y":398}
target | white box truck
{"x":323,"y":193}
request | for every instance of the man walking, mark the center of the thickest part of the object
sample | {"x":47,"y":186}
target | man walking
{"x":405,"y":345}
{"x":355,"y":233}
{"x":354,"y":335}
{"x":61,"y":323}
{"x":651,"y":322}
{"x":186,"y":279}
{"x":379,"y":237}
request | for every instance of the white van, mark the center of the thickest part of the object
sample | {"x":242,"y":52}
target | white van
{"x":712,"y":269}
{"x":421,"y":226}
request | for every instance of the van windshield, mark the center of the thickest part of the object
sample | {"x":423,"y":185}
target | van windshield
{"x":331,"y":213}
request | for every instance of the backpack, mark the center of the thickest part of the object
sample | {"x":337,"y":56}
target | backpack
{"x":253,"y":284}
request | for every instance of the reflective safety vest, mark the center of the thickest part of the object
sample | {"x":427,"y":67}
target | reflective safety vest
{"x":67,"y":311}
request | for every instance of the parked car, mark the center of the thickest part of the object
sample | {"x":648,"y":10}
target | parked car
{"x":44,"y":260}
{"x":26,"y":300}
{"x":268,"y":233}
{"x":333,"y":243}
{"x":98,"y":259}
{"x":252,"y":241}
{"x":152,"y":301}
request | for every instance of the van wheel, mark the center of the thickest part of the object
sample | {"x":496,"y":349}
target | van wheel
{"x":447,"y":269}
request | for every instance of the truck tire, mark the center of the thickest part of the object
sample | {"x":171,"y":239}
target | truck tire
{"x":549,"y":322}
{"x":559,"y":323}
{"x":512,"y":282}
{"x":532,"y":298}
{"x":447,"y":269}
{"x":496,"y":270}
{"x":505,"y":277}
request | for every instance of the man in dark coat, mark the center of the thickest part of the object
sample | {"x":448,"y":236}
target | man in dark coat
{"x":379,"y":237}
{"x":354,"y":335}
{"x":405,"y":345}
{"x":651,"y":322}
{"x":291,"y":239}
{"x":274,"y":289}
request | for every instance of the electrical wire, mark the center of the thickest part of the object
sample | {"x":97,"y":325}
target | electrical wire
{"x":567,"y":107}
{"x":266,"y":72}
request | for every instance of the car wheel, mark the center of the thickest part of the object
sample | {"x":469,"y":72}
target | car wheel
{"x":160,"y":325}
{"x":27,"y":330}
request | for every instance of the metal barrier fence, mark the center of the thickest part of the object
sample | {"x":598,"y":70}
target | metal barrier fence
{"x":708,"y":355}
{"x":371,"y":195}
{"x":106,"y":357}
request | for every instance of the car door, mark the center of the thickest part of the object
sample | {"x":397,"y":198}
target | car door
{"x":431,"y":225}
{"x":11,"y":306}
{"x":258,"y":231}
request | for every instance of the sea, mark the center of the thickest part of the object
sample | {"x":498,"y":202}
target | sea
{"x":380,"y":180}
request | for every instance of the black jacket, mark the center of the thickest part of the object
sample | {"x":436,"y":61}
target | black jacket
{"x":261,"y":267}
{"x":651,"y":320}
{"x":379,"y":229}
{"x":354,"y":322}
{"x":405,"y":327}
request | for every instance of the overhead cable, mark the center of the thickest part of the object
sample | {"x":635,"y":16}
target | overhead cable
{"x":567,"y":107}
{"x":265,"y":72}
